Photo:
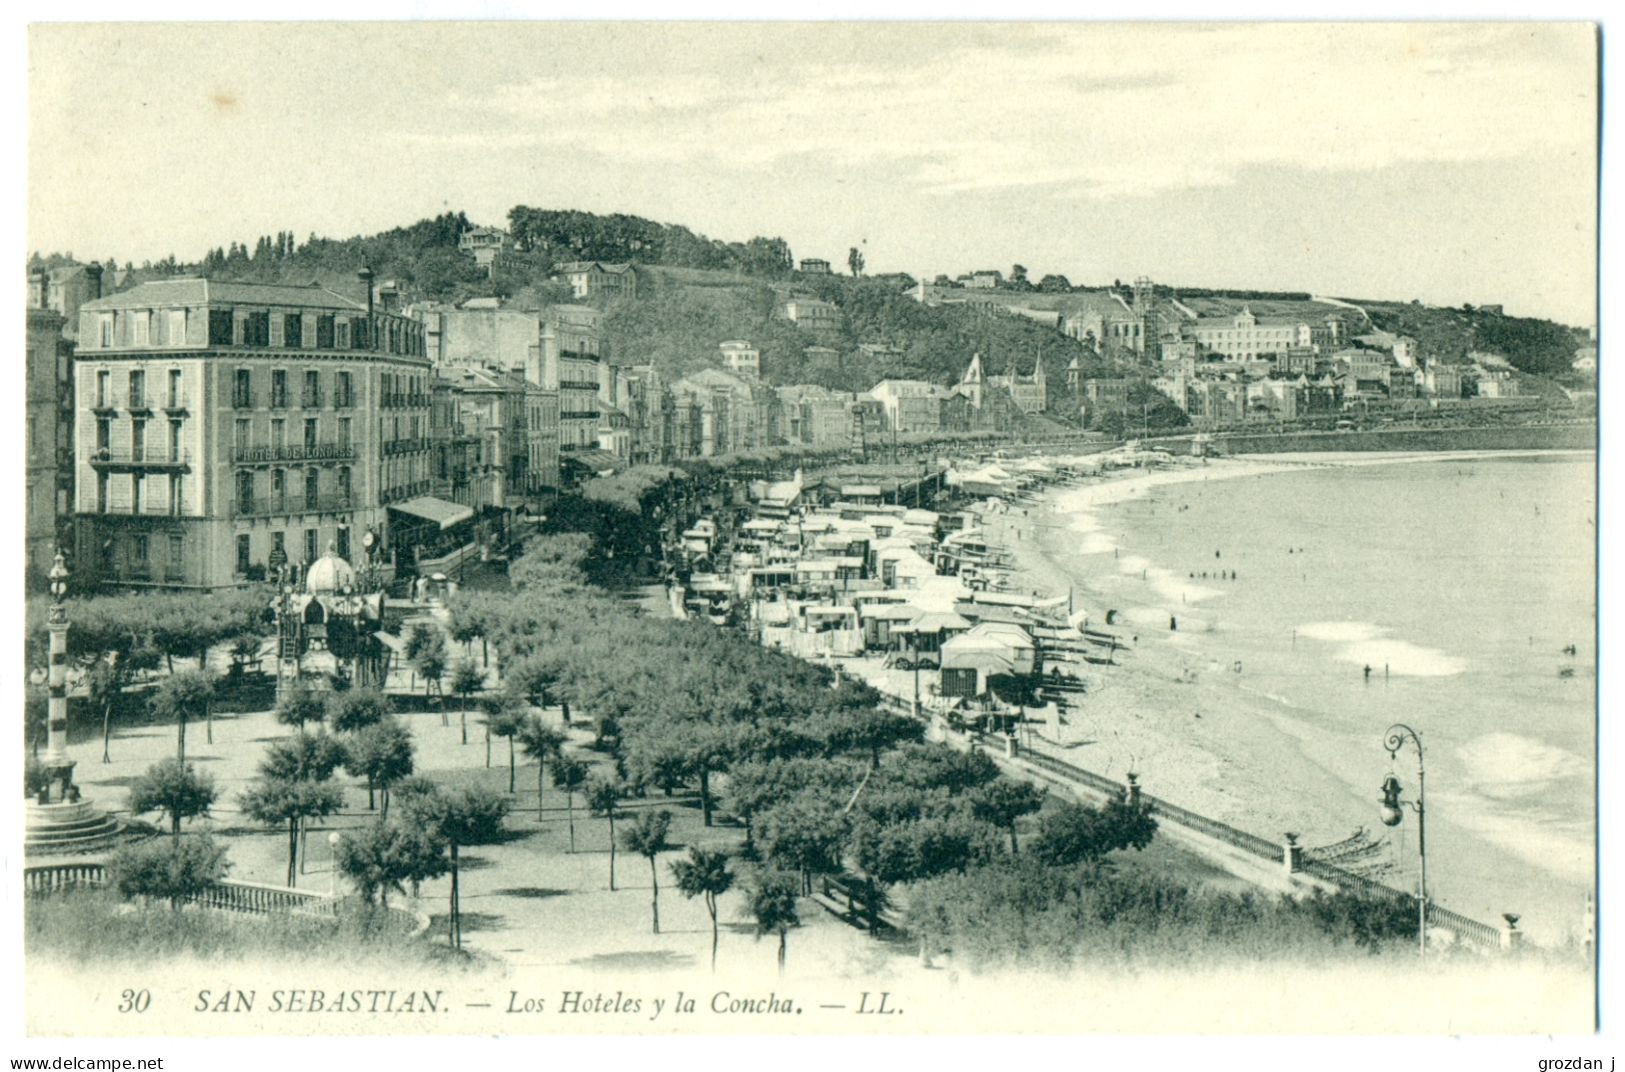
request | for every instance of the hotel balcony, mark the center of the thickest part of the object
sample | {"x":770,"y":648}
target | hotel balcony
{"x":272,"y":505}
{"x":109,"y":458}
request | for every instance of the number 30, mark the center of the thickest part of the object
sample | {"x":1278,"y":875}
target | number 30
{"x":134,"y":1001}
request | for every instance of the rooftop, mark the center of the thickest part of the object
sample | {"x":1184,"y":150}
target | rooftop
{"x":197,"y":291}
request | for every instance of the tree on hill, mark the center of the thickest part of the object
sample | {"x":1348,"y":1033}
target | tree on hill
{"x":854,"y":261}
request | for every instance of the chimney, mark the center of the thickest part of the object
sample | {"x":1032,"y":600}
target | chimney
{"x":365,"y":275}
{"x":93,"y":274}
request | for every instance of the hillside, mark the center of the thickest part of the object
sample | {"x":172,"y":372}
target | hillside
{"x":696,"y":291}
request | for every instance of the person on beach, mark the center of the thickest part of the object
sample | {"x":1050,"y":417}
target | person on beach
{"x":1368,"y":673}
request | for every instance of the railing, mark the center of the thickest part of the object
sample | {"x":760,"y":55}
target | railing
{"x":1462,"y":926}
{"x":402,"y":400}
{"x":177,"y":401}
{"x":128,"y":456}
{"x":53,"y":877}
{"x":158,"y":508}
{"x":230,"y":895}
{"x":405,"y":446}
{"x":406,"y":491}
{"x":579,"y":385}
{"x":297,"y":452}
{"x":311,"y":401}
{"x":292,"y":504}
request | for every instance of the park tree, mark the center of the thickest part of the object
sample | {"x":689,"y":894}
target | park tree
{"x":1078,"y":833}
{"x":385,"y":855}
{"x":647,"y":838}
{"x":705,"y":874}
{"x":466,"y":680}
{"x":294,"y":785}
{"x":854,"y":261}
{"x":773,"y":907}
{"x":505,"y":720}
{"x":603,"y":797}
{"x":382,"y":753}
{"x":104,"y":687}
{"x":172,"y":871}
{"x":175,"y":789}
{"x":299,"y":706}
{"x":353,"y":710}
{"x":461,"y":817}
{"x":540,"y":743}
{"x":426,"y":651}
{"x":569,"y":774}
{"x":178,"y":696}
{"x":803,"y":835}
{"x":1003,"y":802}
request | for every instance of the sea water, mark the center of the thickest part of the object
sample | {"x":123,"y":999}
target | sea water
{"x":1438,"y":594}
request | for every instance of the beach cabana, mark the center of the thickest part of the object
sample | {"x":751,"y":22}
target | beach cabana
{"x":924,"y":636}
{"x":988,"y":650}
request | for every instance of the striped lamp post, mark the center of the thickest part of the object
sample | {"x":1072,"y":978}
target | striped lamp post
{"x":56,"y":749}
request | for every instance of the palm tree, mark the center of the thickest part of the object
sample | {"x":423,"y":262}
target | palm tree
{"x":603,"y":796}
{"x":568,"y":774}
{"x":773,"y":904}
{"x":705,"y":874}
{"x":539,"y":742}
{"x":647,"y":837}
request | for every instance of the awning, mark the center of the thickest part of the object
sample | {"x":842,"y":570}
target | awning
{"x":443,"y":513}
{"x":599,"y":461}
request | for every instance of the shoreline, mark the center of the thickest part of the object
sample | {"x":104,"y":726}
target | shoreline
{"x":1199,"y":733}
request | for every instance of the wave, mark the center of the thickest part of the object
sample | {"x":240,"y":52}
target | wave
{"x":1368,"y":644}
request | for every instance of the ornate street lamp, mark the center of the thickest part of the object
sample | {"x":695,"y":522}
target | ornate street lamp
{"x":1392,"y":814}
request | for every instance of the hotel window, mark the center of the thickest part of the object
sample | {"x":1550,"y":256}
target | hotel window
{"x":279,"y":388}
{"x":138,"y":440}
{"x":104,"y":435}
{"x":244,"y":435}
{"x":279,"y":434}
{"x":312,"y":397}
{"x":138,"y":553}
{"x":324,"y":333}
{"x":341,"y":335}
{"x":174,"y":441}
{"x":344,"y":431}
{"x":242,"y":553}
{"x":344,"y":481}
{"x":312,"y":488}
{"x":257,"y":329}
{"x":140,"y":328}
{"x":105,"y":326}
{"x":135,"y":493}
{"x":175,"y":334}
{"x":101,"y":493}
{"x":293,"y":330}
{"x":279,"y":543}
{"x":279,"y":488}
{"x":221,"y":327}
{"x":104,"y":389}
{"x":138,"y":389}
{"x":174,"y":400}
{"x":310,"y":433}
{"x":344,"y":542}
{"x":177,"y":492}
{"x":311,"y":537}
{"x":176,"y":555}
{"x":343,"y":389}
{"x":242,"y":389}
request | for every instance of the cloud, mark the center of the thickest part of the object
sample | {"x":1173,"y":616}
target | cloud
{"x":1093,"y":111}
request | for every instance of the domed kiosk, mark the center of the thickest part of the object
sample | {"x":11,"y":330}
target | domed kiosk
{"x":327,"y":619}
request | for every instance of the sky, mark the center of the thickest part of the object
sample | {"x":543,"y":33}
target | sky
{"x":1446,"y":162}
